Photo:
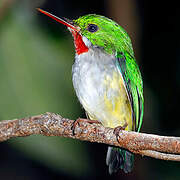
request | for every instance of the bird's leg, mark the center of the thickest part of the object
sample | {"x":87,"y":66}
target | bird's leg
{"x":119,"y":128}
{"x":76,"y":122}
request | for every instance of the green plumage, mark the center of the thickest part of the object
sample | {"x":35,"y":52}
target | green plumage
{"x":117,"y":40}
{"x":134,"y":86}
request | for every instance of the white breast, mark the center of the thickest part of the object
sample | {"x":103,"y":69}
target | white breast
{"x":89,"y":72}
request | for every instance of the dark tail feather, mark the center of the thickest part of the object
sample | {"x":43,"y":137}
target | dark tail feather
{"x":118,"y":158}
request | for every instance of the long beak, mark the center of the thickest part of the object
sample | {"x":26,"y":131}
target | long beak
{"x":67,"y":23}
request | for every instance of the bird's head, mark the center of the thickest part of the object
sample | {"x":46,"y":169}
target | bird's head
{"x":95,"y":31}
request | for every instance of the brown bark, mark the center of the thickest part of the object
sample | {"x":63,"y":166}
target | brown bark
{"x":50,"y":124}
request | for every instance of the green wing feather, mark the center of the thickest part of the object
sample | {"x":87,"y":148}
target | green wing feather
{"x":133,"y":83}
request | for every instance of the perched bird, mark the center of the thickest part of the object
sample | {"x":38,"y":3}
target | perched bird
{"x":107,"y":79}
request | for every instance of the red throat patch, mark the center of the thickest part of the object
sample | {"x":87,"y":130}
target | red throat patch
{"x":80,"y":46}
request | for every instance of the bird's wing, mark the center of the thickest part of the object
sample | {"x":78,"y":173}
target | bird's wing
{"x":131,"y":75}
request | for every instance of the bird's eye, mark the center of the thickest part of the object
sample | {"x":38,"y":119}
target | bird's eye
{"x":92,"y":28}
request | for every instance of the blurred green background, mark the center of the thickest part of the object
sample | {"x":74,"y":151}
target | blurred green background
{"x":36,"y":55}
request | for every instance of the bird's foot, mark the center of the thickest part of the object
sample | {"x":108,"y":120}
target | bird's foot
{"x":76,"y":122}
{"x":118,"y":129}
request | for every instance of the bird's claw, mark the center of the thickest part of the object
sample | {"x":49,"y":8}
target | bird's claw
{"x":76,"y":122}
{"x":118,"y":129}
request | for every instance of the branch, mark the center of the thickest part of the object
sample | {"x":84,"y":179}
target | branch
{"x":50,"y":124}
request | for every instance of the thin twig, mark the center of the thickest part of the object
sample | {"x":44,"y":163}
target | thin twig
{"x":159,"y":155}
{"x":50,"y":124}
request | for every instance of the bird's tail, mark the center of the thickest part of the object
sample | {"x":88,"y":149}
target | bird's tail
{"x":118,"y":158}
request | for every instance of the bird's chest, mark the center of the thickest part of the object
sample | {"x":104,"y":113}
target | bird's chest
{"x":99,"y":87}
{"x":90,"y":72}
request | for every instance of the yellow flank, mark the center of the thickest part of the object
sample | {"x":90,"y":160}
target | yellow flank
{"x":116,"y":105}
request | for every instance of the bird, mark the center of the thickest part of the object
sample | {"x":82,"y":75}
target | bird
{"x":106,"y":79}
